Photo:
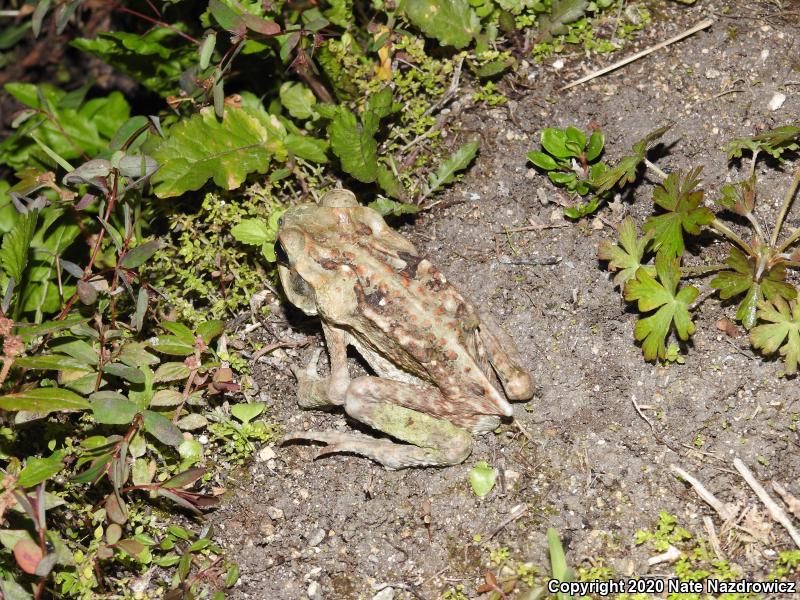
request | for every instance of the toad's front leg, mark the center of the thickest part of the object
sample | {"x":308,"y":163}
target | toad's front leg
{"x":384,"y":404}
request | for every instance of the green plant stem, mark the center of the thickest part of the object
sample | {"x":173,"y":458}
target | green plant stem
{"x":701,"y":270}
{"x":753,"y":162}
{"x":790,"y":240}
{"x":655,"y":169}
{"x":787,"y":203}
{"x":720,"y":227}
{"x":756,"y":225}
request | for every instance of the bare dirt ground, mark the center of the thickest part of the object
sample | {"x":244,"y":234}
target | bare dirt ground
{"x":342,"y":527}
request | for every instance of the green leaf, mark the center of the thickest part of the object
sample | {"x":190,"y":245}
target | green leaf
{"x":155,"y":58}
{"x":555,"y":142}
{"x":774,"y":142}
{"x":209,"y":330}
{"x":112,"y":408}
{"x":558,"y":561}
{"x":162,"y":428}
{"x":389,"y":182}
{"x":16,"y":246}
{"x":679,"y":196}
{"x":202,"y":148}
{"x":561,"y":13}
{"x":297,"y":99}
{"x":595,"y":147}
{"x":626,"y":170}
{"x":385,"y":207}
{"x":247,"y":412}
{"x":130,"y":374}
{"x":542,"y":160}
{"x":307,"y":147}
{"x":253,"y":231}
{"x":170,"y":344}
{"x":482,"y":478}
{"x":167,"y":397}
{"x":581,"y":210}
{"x":171,"y":371}
{"x":192,"y":421}
{"x":782,"y":331}
{"x":741,"y":279}
{"x":458,"y":161}
{"x":672,"y":305}
{"x":627,"y":256}
{"x":28,"y":332}
{"x":354,"y":145}
{"x":181,"y":331}
{"x":52,"y":362}
{"x":38,"y":469}
{"x":43,"y":400}
{"x":141,"y":254}
{"x":451,"y":22}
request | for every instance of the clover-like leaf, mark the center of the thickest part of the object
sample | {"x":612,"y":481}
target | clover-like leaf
{"x":672,"y":306}
{"x":742,"y":278}
{"x":681,"y":199}
{"x":627,"y":256}
{"x":781,"y":332}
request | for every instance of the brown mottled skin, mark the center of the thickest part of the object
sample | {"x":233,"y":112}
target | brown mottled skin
{"x":433,"y":354}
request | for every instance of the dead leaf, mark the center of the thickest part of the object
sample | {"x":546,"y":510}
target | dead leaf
{"x":728,"y":327}
{"x":28,"y":555}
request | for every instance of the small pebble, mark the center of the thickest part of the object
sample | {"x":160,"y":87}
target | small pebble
{"x":776,"y":101}
{"x":265,"y":454}
{"x":314,"y":591}
{"x":316,"y":537}
{"x":386,"y":593}
{"x":274,"y":513}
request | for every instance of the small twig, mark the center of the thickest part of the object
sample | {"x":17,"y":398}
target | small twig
{"x":705,"y":23}
{"x":655,"y":169}
{"x":787,"y":203}
{"x":775,"y":511}
{"x":720,"y":227}
{"x":724,"y":510}
{"x":670,"y":556}
{"x":712,"y":537}
{"x":791,"y":501}
{"x":516,"y":513}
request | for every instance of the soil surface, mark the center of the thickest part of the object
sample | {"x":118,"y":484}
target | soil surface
{"x":582,"y":459}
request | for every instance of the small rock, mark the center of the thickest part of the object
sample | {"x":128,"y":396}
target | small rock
{"x":558,"y":65}
{"x":776,"y":101}
{"x":266,"y":528}
{"x":386,"y":593}
{"x":274,"y":513}
{"x":712,"y":73}
{"x":314,"y":591}
{"x":265,"y":454}
{"x":316,"y":537}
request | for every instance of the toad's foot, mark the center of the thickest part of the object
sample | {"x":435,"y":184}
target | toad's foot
{"x":385,"y":452}
{"x":314,"y":391}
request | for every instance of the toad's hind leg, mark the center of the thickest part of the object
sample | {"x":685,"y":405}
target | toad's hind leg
{"x":384,"y":405}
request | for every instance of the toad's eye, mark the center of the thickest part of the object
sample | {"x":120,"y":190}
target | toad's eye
{"x":280,"y":254}
{"x":280,"y":221}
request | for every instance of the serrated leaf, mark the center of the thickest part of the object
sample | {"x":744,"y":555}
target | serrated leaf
{"x":16,"y":245}
{"x":451,"y":22}
{"x":44,"y":400}
{"x":626,"y":170}
{"x":307,"y":147}
{"x":385,"y":207}
{"x":741,"y":279}
{"x":781,"y":332}
{"x":774,"y":142}
{"x":482,"y":478}
{"x":679,"y":196}
{"x":201,"y":148}
{"x":672,"y":304}
{"x":627,"y":256}
{"x":458,"y":161}
{"x":354,"y":145}
{"x":210,"y":330}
